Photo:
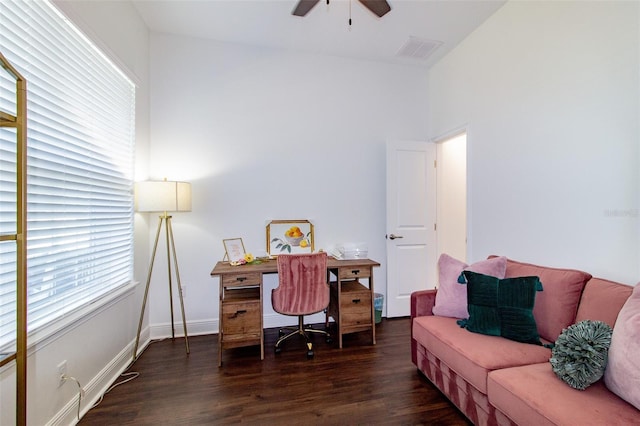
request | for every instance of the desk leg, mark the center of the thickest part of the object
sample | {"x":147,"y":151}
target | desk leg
{"x":373,"y":315}
{"x":261,"y":318}
{"x":339,"y":328}
{"x":220,"y":325}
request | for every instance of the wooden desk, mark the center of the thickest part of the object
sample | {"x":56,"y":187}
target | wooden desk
{"x":241,"y":301}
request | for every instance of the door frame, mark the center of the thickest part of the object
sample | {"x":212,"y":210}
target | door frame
{"x":442,"y":137}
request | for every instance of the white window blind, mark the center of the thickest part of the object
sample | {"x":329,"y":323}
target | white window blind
{"x":80,"y":132}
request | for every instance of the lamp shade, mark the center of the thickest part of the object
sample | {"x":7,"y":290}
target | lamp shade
{"x":162,"y":196}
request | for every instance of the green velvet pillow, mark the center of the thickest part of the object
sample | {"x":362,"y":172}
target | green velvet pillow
{"x":502,"y":307}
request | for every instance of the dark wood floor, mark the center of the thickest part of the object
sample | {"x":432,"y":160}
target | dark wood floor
{"x":359,"y":384}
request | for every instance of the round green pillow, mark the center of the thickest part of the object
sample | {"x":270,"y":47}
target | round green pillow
{"x":579,"y":356}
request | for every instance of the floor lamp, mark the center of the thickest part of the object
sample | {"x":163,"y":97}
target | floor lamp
{"x":163,"y":196}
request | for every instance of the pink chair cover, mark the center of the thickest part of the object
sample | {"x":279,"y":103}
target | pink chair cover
{"x":302,"y":287}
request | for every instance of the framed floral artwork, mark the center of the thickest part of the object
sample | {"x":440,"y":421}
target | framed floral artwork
{"x":234,"y":249}
{"x":289,"y":236}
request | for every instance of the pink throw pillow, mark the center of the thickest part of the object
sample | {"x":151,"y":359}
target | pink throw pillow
{"x":622,"y":375}
{"x":451,"y":297}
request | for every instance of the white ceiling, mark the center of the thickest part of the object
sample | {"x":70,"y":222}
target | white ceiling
{"x":325,"y":29}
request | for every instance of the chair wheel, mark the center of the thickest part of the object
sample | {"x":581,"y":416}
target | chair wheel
{"x":277,"y":349}
{"x":310,"y":354}
{"x":329,"y":340}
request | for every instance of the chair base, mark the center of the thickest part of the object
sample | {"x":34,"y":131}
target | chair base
{"x":303,"y":331}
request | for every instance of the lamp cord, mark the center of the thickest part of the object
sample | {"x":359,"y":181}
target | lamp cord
{"x":129,"y":375}
{"x":80,"y":391}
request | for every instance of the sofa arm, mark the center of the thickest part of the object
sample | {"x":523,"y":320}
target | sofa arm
{"x":422,"y":303}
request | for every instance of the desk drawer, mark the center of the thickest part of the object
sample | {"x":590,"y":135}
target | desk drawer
{"x":240,"y":279}
{"x":241,"y":319}
{"x":355,"y":303}
{"x":354,"y":273}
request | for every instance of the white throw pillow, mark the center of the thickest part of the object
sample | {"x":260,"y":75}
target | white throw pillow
{"x":622,"y":375}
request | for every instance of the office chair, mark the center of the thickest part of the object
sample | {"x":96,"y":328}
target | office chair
{"x":302,"y":290}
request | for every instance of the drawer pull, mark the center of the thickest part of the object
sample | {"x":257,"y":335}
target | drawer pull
{"x":239,"y":312}
{"x":355,"y":271}
{"x":356,"y":301}
{"x":241,"y":279}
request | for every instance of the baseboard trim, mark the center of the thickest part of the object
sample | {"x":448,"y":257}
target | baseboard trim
{"x":194,"y":328}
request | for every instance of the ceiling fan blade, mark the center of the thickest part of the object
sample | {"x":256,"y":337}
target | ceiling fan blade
{"x":379,"y":7}
{"x":304,"y":6}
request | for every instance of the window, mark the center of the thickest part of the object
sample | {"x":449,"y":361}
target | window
{"x":80,"y":121}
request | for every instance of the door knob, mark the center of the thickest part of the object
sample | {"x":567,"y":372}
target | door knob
{"x":393,"y":236}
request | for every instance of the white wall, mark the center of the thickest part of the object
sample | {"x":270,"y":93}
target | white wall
{"x":267,"y":134}
{"x":549,"y":93}
{"x":98,"y":345}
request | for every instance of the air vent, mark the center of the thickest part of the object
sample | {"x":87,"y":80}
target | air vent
{"x":417,"y":48}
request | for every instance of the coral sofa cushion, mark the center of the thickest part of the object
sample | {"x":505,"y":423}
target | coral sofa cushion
{"x":622,"y":375}
{"x":532,"y":395}
{"x":451,"y":298}
{"x":557,"y":305}
{"x":471,"y":355}
{"x":602,"y":300}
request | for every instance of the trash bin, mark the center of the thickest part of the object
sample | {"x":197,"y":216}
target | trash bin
{"x":378,"y":303}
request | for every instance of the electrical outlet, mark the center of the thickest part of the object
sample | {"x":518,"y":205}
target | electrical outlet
{"x":61,"y":371}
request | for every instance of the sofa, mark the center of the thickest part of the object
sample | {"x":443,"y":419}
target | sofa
{"x":497,"y":381}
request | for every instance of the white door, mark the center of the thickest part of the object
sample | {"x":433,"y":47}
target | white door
{"x":411,"y":213}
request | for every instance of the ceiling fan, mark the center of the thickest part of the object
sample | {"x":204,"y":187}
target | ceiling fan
{"x":379,"y":7}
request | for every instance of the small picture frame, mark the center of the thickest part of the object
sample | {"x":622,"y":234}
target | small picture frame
{"x":234,"y":249}
{"x":289,"y":237}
